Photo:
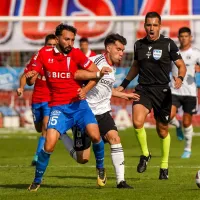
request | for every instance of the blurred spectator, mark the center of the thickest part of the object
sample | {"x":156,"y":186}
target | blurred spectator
{"x":84,"y":46}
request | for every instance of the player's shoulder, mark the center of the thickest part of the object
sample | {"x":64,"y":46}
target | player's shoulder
{"x":76,"y":51}
{"x":195,"y":49}
{"x":98,"y":59}
{"x":46,"y":49}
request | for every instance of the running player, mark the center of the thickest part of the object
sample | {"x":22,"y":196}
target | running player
{"x":40,"y":98}
{"x":61,"y":65}
{"x":186,"y":96}
{"x":152,"y":62}
{"x":98,"y":99}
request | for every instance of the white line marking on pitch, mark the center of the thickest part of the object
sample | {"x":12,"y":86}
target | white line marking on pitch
{"x":93,"y":166}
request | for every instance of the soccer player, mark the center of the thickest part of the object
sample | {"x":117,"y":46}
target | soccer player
{"x":186,"y":96}
{"x":84,"y":47}
{"x":152,"y":62}
{"x":98,"y":99}
{"x":61,"y":65}
{"x":40,"y":98}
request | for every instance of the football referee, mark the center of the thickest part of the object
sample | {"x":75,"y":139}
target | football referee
{"x":152,"y":62}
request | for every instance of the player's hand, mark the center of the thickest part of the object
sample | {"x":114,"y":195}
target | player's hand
{"x":81,"y":93}
{"x":120,"y":88}
{"x":178,"y":82}
{"x":105,"y":70}
{"x":20,"y":91}
{"x":133,"y":96}
{"x":31,"y":74}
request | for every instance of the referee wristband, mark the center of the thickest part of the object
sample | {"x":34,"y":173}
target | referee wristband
{"x":98,"y":74}
{"x":181,"y":78}
{"x":125,"y":83}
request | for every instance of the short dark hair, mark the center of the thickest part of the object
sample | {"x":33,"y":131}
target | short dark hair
{"x":153,"y":15}
{"x":83,"y":39}
{"x":49,"y":37}
{"x":112,"y":38}
{"x":62,"y":27}
{"x":184,"y":30}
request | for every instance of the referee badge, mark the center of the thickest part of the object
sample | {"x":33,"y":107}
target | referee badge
{"x":157,"y":53}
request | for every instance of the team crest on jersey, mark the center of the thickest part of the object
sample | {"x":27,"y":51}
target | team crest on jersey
{"x":157,"y":53}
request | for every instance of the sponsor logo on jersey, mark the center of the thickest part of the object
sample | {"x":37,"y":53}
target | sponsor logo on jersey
{"x":50,"y":49}
{"x":50,"y":60}
{"x":106,"y":82}
{"x":157,"y":53}
{"x":60,"y":75}
{"x":55,"y":112}
{"x":87,"y":63}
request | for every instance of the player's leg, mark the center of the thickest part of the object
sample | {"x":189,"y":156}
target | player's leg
{"x":42,"y":113}
{"x":87,"y":122}
{"x":140,"y":111}
{"x":109,"y":134}
{"x":109,"y":130}
{"x":79,"y":146}
{"x":176,"y":103}
{"x":188,"y":133}
{"x":54,"y":129}
{"x":189,"y":108}
{"x":162,"y":130}
{"x":162,"y":103}
{"x":37,"y":118}
{"x":43,"y":158}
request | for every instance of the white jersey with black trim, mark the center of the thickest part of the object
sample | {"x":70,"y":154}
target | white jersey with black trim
{"x":191,"y":57}
{"x":99,"y":96}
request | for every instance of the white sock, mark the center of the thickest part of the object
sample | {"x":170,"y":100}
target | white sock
{"x":188,"y":133}
{"x":69,"y":145}
{"x":117,"y":155}
{"x":175,"y":122}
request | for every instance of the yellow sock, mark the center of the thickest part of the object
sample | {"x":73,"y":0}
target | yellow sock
{"x":165,"y":147}
{"x":142,"y":139}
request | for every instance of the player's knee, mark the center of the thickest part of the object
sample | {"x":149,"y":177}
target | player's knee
{"x":163,"y":134}
{"x":95,"y":138}
{"x":186,"y":124}
{"x":138,"y":124}
{"x":82,"y":160}
{"x":113,"y":140}
{"x":48,"y":148}
{"x":38,"y":128}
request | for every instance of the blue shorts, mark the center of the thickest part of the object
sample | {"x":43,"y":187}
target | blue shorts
{"x":40,"y":110}
{"x":64,"y":117}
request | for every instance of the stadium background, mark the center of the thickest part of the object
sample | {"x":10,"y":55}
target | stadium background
{"x":20,"y":39}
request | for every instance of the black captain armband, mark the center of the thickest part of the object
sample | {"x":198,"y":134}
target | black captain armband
{"x":125,"y":83}
{"x":181,"y":78}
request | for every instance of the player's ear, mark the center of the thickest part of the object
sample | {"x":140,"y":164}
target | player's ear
{"x":108,"y":48}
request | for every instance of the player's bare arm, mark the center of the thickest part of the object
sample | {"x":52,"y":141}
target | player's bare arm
{"x":181,"y":73}
{"x":30,"y":81}
{"x":22,"y":84}
{"x":92,"y":72}
{"x":133,"y":72}
{"x":123,"y":95}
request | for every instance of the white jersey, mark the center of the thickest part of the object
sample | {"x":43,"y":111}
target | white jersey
{"x":99,"y":96}
{"x":191,"y":57}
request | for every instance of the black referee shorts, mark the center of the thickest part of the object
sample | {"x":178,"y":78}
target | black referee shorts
{"x":105,"y":122}
{"x":157,"y":97}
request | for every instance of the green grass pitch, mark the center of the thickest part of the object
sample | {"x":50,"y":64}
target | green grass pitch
{"x":65,"y":179}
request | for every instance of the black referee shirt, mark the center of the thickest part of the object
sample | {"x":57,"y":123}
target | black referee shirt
{"x":154,"y":59}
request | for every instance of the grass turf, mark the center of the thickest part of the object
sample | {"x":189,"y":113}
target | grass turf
{"x":65,"y":179}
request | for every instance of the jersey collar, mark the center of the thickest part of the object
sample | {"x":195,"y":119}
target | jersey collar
{"x":58,"y":52}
